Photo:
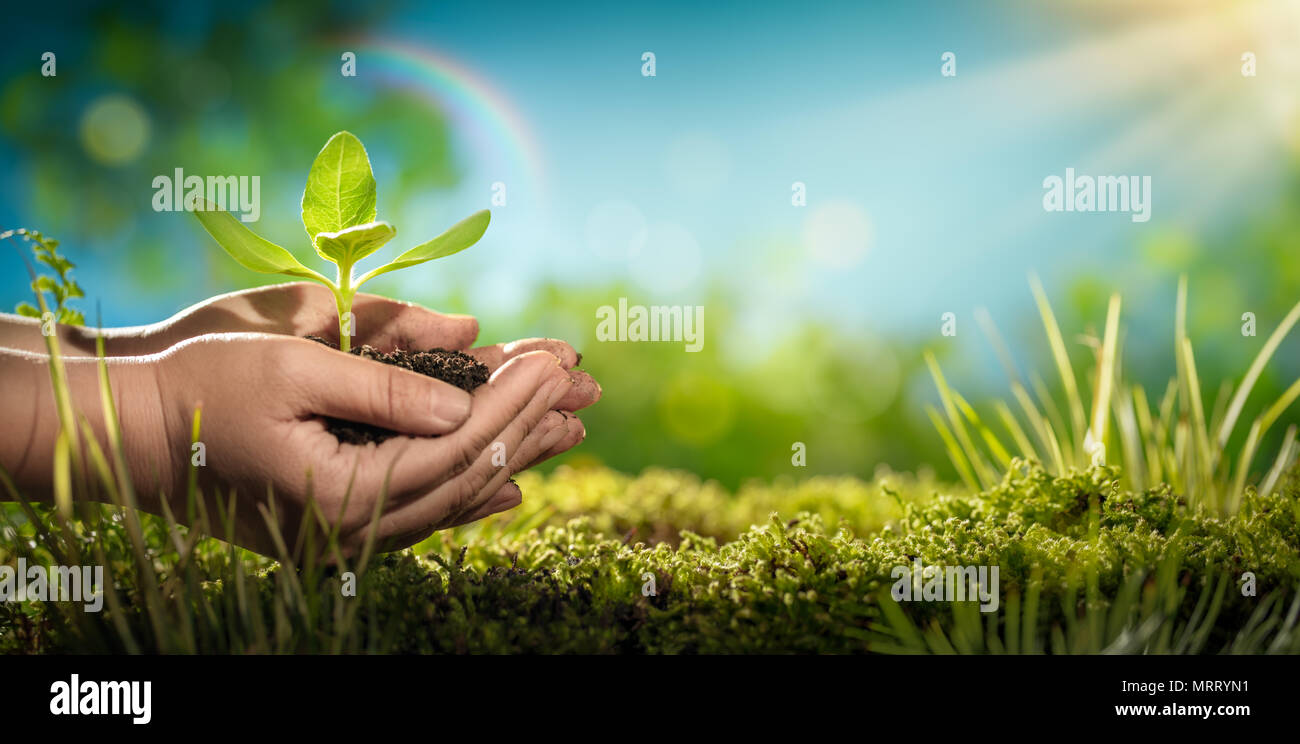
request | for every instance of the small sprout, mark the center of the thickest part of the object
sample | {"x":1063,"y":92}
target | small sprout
{"x":338,"y":212}
{"x":62,"y":286}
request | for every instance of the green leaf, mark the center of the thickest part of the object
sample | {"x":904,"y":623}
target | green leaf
{"x":250,"y":250}
{"x":352,"y":244}
{"x":27,"y":310}
{"x":340,"y":190}
{"x":56,"y":262}
{"x":461,"y":236}
{"x":45,"y":284}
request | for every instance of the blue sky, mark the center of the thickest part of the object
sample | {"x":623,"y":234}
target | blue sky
{"x":924,"y":192}
{"x":848,"y":98}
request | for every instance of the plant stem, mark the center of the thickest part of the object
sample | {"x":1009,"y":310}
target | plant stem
{"x":343,"y":301}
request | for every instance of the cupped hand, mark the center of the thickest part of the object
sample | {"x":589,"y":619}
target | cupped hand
{"x":307,"y":309}
{"x":263,"y":398}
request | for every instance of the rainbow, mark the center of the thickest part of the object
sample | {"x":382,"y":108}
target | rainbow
{"x":498,"y":135}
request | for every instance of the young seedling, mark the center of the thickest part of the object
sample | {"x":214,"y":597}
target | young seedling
{"x":338,"y":210}
{"x":62,"y":286}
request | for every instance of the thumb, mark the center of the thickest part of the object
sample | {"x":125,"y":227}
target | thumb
{"x":348,"y":387}
{"x":398,"y":325}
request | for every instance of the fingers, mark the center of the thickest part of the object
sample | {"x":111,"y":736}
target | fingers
{"x":557,"y":433}
{"x":513,"y":416}
{"x":574,"y":435}
{"x":499,"y":354}
{"x":505,"y":498}
{"x":388,"y":324}
{"x":470,"y":490}
{"x":546,"y":434}
{"x":349,"y":387}
{"x":306,"y":308}
{"x":519,"y":393}
{"x":585,"y":392}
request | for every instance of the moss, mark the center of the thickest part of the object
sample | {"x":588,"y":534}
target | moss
{"x":788,"y":567}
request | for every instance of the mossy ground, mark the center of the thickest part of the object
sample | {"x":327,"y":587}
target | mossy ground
{"x":780,"y":567}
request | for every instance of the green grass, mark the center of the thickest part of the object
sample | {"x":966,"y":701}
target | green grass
{"x":1140,"y":547}
{"x":1113,"y":420}
{"x":1086,"y":566}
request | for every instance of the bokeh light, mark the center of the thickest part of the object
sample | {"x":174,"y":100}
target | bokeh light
{"x":616,"y":230}
{"x":838,"y":234}
{"x":114,"y":130}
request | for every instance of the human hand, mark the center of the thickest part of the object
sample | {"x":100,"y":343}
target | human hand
{"x":262,"y":399}
{"x":301,"y":309}
{"x":292,"y":309}
{"x":304,"y":308}
{"x":307,"y":309}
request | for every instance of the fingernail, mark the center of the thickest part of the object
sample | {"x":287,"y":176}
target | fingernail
{"x":452,"y":408}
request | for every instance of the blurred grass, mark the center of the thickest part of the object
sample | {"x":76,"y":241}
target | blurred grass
{"x":1112,"y":421}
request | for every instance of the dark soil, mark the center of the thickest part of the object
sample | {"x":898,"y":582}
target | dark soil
{"x":453,"y":367}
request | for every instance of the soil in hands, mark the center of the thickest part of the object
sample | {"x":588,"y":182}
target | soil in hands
{"x":450,"y":366}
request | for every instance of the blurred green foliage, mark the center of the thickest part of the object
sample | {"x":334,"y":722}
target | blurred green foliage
{"x":845,"y":398}
{"x":238,"y":92}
